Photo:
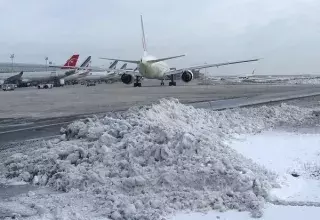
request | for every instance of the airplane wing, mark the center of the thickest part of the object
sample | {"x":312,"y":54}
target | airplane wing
{"x":166,"y":58}
{"x":126,"y":61}
{"x":173,"y":72}
{"x":118,"y":71}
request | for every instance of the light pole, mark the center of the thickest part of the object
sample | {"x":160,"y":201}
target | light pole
{"x":46,"y":59}
{"x":12,"y":58}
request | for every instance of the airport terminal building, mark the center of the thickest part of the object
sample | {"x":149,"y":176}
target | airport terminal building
{"x":18,"y":67}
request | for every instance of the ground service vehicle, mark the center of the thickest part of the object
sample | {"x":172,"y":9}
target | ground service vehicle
{"x":8,"y":87}
{"x":45,"y":86}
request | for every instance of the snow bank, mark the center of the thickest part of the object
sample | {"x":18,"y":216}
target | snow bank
{"x":308,"y":80}
{"x":152,"y":161}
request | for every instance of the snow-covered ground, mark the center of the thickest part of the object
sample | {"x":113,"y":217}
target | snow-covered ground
{"x":299,"y":79}
{"x":161,"y":160}
{"x":287,"y":154}
{"x":271,"y":212}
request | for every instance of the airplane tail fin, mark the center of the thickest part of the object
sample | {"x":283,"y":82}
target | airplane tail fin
{"x":113,"y":64}
{"x":86,"y":62}
{"x":144,"y":43}
{"x":253,"y":72}
{"x":124,"y":66}
{"x":72,"y":62}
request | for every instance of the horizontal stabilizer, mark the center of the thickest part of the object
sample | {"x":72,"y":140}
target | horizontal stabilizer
{"x":126,"y":61}
{"x":65,"y":67}
{"x":163,"y":59}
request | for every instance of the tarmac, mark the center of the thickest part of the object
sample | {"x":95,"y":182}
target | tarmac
{"x":29,"y":113}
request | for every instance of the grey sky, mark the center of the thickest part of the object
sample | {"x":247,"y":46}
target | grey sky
{"x":285,"y":33}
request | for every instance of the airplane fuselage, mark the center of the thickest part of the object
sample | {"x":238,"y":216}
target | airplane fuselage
{"x":43,"y":76}
{"x":77,"y":75}
{"x":97,"y":76}
{"x":152,"y":70}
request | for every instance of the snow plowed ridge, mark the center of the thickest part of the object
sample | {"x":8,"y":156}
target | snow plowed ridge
{"x":156,"y":160}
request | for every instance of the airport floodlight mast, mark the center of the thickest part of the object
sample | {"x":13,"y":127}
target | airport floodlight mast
{"x":46,"y":59}
{"x":12,"y":60}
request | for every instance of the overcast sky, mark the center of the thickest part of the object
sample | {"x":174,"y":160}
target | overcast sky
{"x":285,"y":33}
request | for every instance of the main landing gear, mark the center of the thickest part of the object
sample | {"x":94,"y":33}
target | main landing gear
{"x":172,"y":82}
{"x":137,"y":83}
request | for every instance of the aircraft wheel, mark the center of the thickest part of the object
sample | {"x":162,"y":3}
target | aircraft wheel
{"x":162,"y":83}
{"x":139,"y":84}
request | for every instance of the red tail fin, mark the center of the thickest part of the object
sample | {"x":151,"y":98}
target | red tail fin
{"x":71,"y":62}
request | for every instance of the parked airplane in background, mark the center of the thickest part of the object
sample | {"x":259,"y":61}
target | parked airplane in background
{"x":15,"y":79}
{"x":247,"y":76}
{"x":39,"y":77}
{"x":152,"y":68}
{"x":24,"y":78}
{"x":78,"y":71}
{"x":102,"y":75}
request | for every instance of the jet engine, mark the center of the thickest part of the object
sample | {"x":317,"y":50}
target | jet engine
{"x":187,"y":76}
{"x":126,"y":78}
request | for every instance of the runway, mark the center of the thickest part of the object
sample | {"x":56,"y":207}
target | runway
{"x":76,"y":100}
{"x":34,"y":119}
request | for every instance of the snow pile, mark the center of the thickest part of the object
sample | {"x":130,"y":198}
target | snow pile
{"x":309,"y":81}
{"x":151,"y":161}
{"x":302,"y":79}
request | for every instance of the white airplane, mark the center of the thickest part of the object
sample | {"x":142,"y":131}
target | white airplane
{"x":10,"y":79}
{"x":101,"y":75}
{"x":150,"y":67}
{"x":248,"y":75}
{"x":44,"y":76}
{"x":79,"y":73}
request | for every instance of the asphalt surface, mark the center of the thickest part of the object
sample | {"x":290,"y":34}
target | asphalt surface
{"x":75,"y":100}
{"x":21,"y":125}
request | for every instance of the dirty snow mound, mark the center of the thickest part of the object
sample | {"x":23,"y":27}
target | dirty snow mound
{"x":152,"y":161}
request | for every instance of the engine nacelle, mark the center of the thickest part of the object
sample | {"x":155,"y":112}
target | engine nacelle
{"x":187,"y":76}
{"x":126,"y":78}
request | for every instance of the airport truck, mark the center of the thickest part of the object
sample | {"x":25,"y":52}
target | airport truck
{"x":8,"y":87}
{"x":45,"y":86}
